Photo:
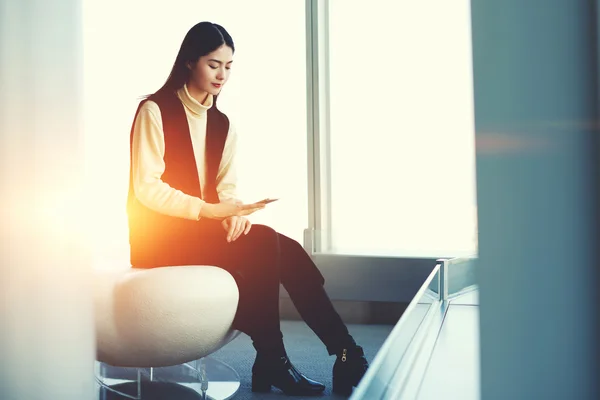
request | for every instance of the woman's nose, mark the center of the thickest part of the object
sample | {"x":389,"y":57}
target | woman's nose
{"x":221,"y":74}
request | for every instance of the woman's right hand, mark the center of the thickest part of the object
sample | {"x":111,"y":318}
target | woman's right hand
{"x":226,"y":210}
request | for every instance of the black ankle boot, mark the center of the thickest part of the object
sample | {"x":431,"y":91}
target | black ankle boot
{"x":279,"y":372}
{"x":349,"y":368}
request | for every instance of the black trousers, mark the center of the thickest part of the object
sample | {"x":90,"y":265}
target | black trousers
{"x":259,"y":262}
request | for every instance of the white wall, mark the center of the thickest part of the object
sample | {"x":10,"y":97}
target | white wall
{"x":536,"y":97}
{"x":46,"y":330}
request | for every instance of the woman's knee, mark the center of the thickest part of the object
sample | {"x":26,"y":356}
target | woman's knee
{"x":265,"y":244}
{"x":263,"y":233}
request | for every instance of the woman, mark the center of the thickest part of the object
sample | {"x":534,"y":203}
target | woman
{"x":183,"y":210}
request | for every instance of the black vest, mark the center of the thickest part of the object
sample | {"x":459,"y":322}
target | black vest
{"x":157,"y":239}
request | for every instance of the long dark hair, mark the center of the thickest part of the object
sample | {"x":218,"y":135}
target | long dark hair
{"x":202,"y":39}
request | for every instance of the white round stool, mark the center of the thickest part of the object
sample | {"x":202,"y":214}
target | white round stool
{"x":155,"y":327}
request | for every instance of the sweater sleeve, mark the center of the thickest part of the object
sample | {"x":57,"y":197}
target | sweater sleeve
{"x":227,"y":176}
{"x":148,"y":149}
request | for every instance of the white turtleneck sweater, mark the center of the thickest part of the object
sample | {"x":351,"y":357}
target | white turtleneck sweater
{"x":148,"y":164}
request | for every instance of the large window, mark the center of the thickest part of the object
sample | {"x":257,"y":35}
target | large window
{"x":401,"y":128}
{"x":129,"y":48}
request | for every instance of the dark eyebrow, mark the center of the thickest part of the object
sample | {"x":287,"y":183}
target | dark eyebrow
{"x":220,"y":62}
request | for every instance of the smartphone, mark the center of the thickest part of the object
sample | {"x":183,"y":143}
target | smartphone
{"x":267,"y":201}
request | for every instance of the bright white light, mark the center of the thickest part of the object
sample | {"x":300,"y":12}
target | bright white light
{"x":403,"y":157}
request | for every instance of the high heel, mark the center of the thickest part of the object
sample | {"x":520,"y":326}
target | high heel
{"x":349,"y":368}
{"x":280,"y":373}
{"x":260,"y":384}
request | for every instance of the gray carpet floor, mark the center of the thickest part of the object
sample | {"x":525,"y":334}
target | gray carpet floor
{"x":305,"y":351}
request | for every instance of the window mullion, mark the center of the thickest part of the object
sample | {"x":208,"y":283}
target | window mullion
{"x":318,"y":234}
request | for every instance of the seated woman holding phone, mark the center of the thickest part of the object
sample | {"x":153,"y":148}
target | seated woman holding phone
{"x":183,"y":209}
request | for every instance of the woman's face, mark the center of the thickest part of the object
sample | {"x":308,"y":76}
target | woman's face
{"x":210,"y":72}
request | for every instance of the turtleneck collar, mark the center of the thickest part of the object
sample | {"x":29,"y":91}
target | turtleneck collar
{"x":192,"y":104}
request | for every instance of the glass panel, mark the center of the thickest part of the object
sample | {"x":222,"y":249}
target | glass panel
{"x":461,"y":275}
{"x":395,"y":349}
{"x":402,"y":130}
{"x":265,"y":98}
{"x":198,"y":379}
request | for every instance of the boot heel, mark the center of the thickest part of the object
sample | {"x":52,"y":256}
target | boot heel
{"x":260,"y":384}
{"x":344,"y":388}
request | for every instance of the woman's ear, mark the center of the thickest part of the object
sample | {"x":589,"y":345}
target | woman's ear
{"x":188,"y":65}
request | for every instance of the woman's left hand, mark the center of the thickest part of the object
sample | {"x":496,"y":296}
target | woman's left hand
{"x":235,"y":226}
